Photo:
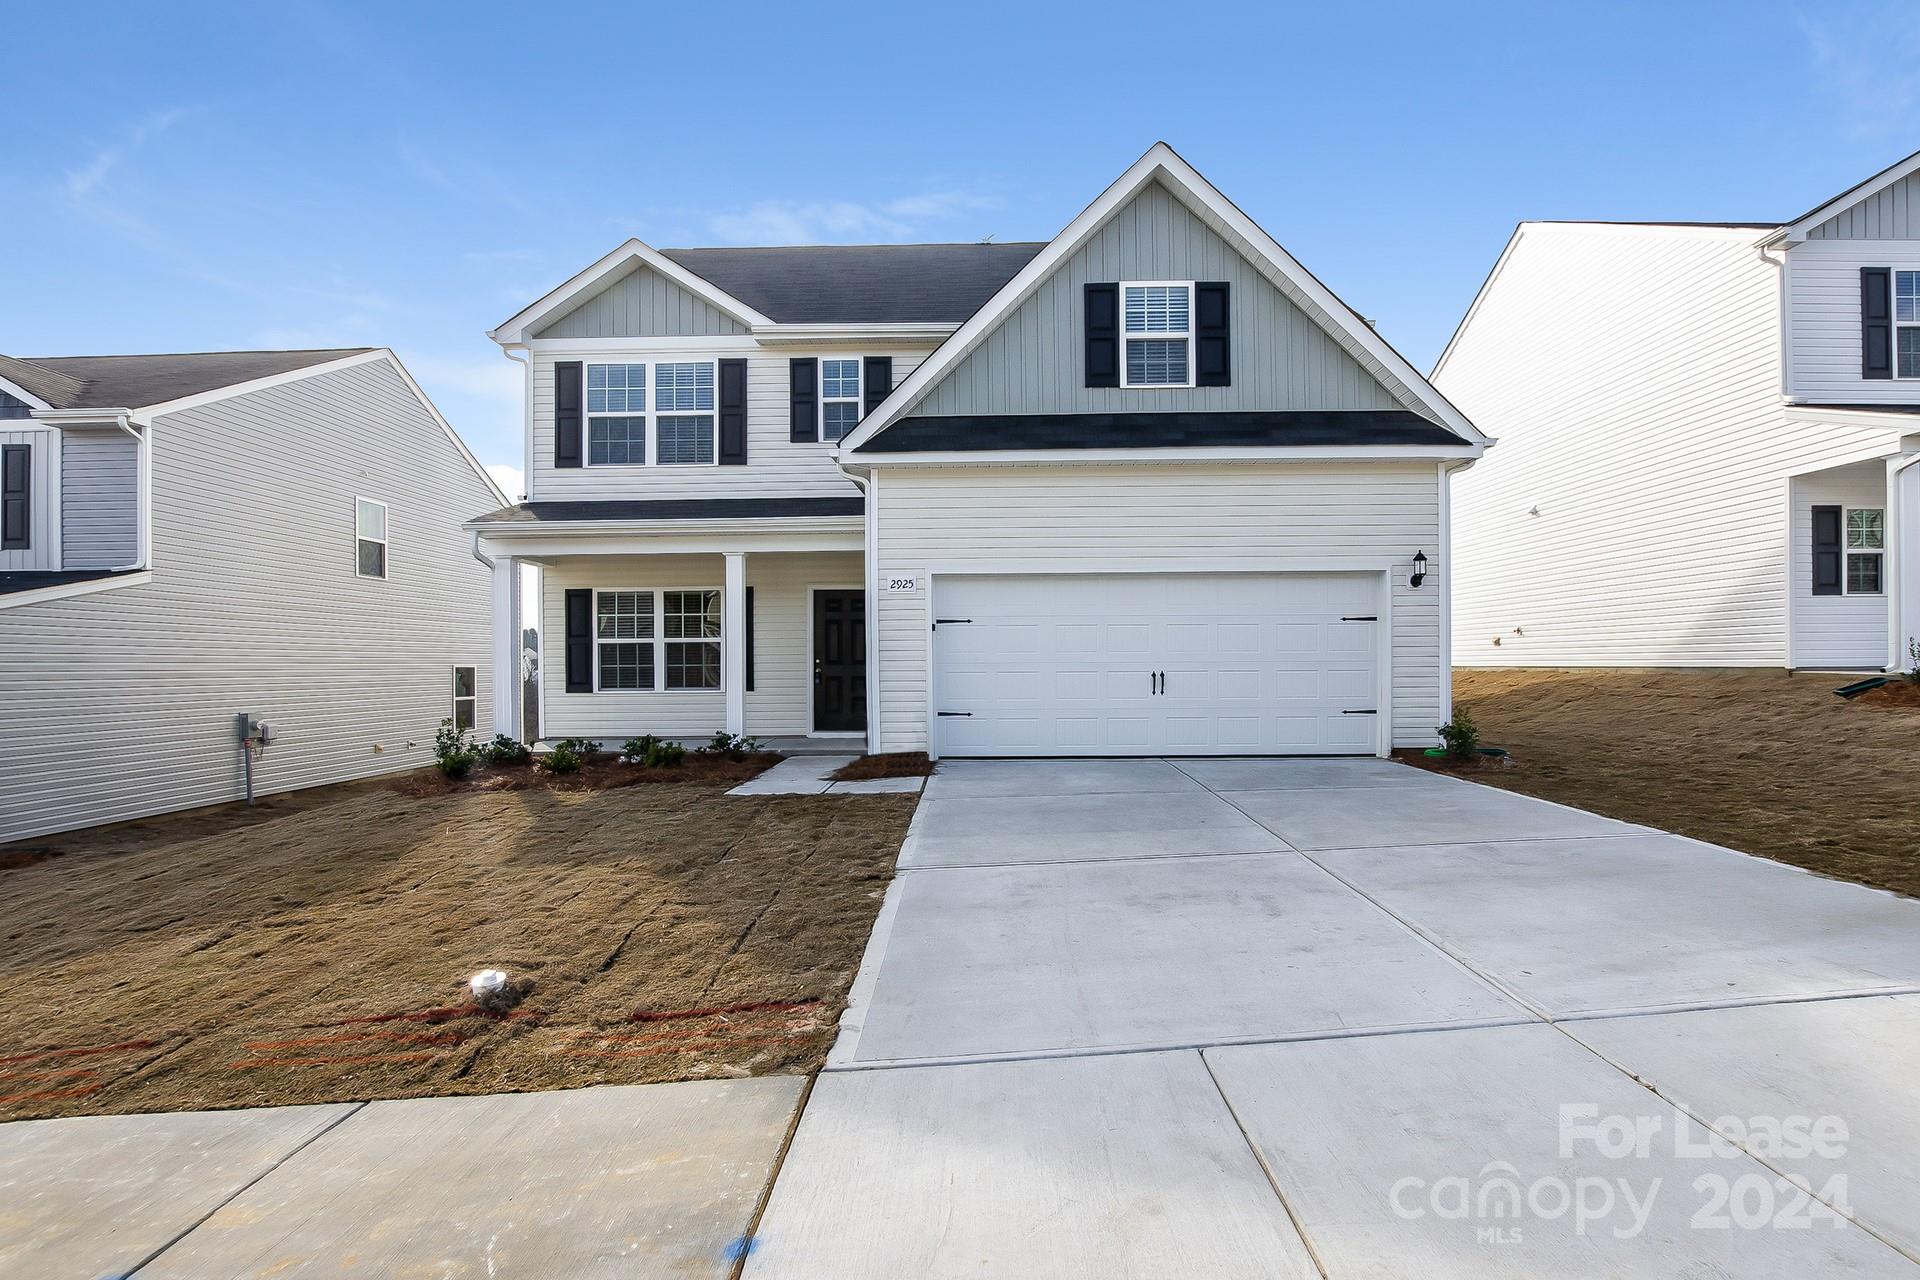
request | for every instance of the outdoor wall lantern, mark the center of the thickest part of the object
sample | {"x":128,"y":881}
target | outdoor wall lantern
{"x":1419,"y":569}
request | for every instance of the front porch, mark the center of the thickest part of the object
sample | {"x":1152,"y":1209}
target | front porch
{"x":1853,"y":584}
{"x":655,"y":619}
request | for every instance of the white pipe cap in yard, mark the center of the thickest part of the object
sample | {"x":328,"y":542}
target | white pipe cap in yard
{"x":487,"y":984}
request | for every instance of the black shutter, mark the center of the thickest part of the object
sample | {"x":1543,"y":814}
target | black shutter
{"x":16,"y":497}
{"x":733,"y":413}
{"x":803,"y":400}
{"x":1827,"y":566}
{"x":878,"y":377}
{"x":748,"y":621}
{"x":566,"y":414}
{"x":579,"y":640}
{"x":1876,"y":323}
{"x":1212,"y":339}
{"x":1103,"y":335}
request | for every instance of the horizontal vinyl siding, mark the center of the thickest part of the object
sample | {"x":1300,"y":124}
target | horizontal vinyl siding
{"x":1631,"y":378}
{"x":99,"y":499}
{"x":643,"y":303}
{"x":775,"y":464}
{"x":1892,"y":213}
{"x":122,"y":703}
{"x":1823,"y":281}
{"x":43,"y":499}
{"x":1211,"y":518}
{"x":777,"y":704}
{"x":1034,"y":361}
{"x":1848,"y":632}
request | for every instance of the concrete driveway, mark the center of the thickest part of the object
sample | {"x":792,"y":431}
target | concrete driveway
{"x":1346,"y":1018}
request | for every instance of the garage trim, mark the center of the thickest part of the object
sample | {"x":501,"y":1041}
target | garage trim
{"x":1382,"y":570}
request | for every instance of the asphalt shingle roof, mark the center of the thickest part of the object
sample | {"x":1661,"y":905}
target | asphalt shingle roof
{"x":861,"y":283}
{"x":134,"y":382}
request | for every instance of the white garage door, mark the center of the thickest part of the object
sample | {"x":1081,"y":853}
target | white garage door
{"x":1157,"y":664}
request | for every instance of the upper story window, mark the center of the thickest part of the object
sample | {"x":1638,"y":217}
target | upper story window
{"x":1906,"y":323}
{"x":370,"y":530}
{"x":676,"y":429}
{"x":839,"y":397}
{"x":1866,"y":533}
{"x":1157,"y":325}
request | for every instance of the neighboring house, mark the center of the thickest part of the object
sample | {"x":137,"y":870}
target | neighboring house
{"x":1707,"y":442}
{"x":192,"y":538}
{"x":1145,"y":488}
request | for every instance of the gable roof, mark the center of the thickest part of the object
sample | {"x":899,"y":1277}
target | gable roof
{"x":1164,"y":165}
{"x":1798,"y":228}
{"x":563,"y":297}
{"x":136,"y":382}
{"x":862,"y":283}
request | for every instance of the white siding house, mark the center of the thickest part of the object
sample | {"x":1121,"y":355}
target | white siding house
{"x":208,"y":563}
{"x":1145,"y":488}
{"x":1703,"y":431}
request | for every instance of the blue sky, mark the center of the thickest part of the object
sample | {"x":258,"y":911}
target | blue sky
{"x":314,"y":174}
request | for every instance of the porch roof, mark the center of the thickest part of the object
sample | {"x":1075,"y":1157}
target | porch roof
{"x":535,"y":514}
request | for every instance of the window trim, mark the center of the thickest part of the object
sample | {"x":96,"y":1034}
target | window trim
{"x":453,"y":686}
{"x":1185,"y":335}
{"x":1897,"y":324}
{"x":651,"y":415}
{"x":1848,"y":552}
{"x":659,"y":639}
{"x":859,"y":390}
{"x":386,"y":543}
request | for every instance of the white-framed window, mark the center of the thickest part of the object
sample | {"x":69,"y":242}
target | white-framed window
{"x":1864,"y":530}
{"x":839,"y":397}
{"x":1156,"y":323}
{"x":466,"y":697}
{"x":1906,"y":324}
{"x":675,"y":427}
{"x":370,"y":538}
{"x":650,"y":640}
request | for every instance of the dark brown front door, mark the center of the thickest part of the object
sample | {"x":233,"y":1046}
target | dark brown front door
{"x":839,"y":660}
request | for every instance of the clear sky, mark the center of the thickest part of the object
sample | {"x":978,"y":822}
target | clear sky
{"x":317,"y":174}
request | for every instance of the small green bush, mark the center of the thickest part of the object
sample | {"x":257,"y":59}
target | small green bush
{"x":454,"y":754}
{"x":505,"y":750}
{"x":563,"y":758}
{"x":663,"y":755}
{"x":1460,"y":737}
{"x":732,"y":746}
{"x":636,"y":749}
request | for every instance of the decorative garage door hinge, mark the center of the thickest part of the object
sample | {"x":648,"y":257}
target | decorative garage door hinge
{"x":1370,"y":711}
{"x":938,"y":621}
{"x":1359,"y":618}
{"x":967,"y":714}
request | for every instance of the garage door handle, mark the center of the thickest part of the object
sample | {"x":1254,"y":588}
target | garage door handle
{"x":967,"y":714}
{"x":1357,"y":618}
{"x":1368,"y":712}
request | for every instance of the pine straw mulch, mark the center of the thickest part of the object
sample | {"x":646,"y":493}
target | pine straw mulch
{"x":601,"y":771}
{"x":1756,"y":760}
{"x":320,"y":954}
{"x":896,"y":764}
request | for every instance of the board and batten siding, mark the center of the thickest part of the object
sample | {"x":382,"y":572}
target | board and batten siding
{"x":1843,"y":632}
{"x":1891,"y":213}
{"x":122,"y":703}
{"x":1635,"y":510}
{"x":1823,"y":312}
{"x":642,"y":303}
{"x":1170,"y":517}
{"x":775,"y":466}
{"x":1034,"y":361}
{"x":43,"y":502}
{"x":99,"y":499}
{"x":778,"y":703}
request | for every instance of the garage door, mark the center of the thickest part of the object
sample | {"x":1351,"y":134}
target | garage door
{"x":1153,"y":664}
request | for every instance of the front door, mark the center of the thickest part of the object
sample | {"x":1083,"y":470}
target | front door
{"x":839,"y":661}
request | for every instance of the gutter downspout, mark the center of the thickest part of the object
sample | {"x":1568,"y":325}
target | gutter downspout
{"x":143,"y":495}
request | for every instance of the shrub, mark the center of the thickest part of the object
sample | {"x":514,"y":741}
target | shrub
{"x":637,"y":748}
{"x":505,"y":750}
{"x":563,"y":758}
{"x":664,"y":755}
{"x":1460,"y":737}
{"x":453,"y":752}
{"x":731,"y":746}
{"x":582,"y":747}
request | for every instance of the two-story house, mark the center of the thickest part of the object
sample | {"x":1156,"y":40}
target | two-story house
{"x":193,"y":543}
{"x":1147,"y":487}
{"x":1708,"y":437}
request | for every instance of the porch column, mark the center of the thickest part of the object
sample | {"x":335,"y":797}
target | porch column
{"x":1903,"y":550}
{"x":733,"y":630}
{"x":506,"y":646}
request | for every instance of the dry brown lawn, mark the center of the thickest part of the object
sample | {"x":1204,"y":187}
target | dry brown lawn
{"x":317,"y":948}
{"x":1756,"y":760}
